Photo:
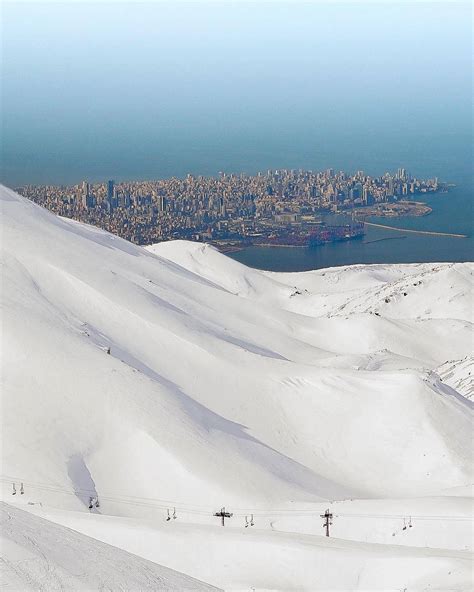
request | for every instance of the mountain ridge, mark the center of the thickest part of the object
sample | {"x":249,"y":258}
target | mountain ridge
{"x":180,"y":337}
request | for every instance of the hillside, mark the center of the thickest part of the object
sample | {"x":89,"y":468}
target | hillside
{"x":459,"y":374}
{"x":227,"y":386}
{"x":40,"y":555}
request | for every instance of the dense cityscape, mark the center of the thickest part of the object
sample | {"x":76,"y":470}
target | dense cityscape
{"x":281,"y":207}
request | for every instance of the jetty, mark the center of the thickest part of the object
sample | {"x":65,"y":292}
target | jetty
{"x":429,"y":232}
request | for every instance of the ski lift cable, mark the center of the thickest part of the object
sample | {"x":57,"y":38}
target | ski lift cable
{"x":206,"y":510}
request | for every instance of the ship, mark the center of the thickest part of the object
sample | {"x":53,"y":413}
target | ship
{"x":330,"y":234}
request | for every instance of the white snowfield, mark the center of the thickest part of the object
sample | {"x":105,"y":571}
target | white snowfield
{"x":173,"y":380}
{"x":40,"y":555}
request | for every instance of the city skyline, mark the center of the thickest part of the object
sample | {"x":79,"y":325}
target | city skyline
{"x":276,"y":206}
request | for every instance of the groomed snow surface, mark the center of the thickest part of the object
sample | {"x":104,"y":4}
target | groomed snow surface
{"x":173,"y":381}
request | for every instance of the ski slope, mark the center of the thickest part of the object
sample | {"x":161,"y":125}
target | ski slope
{"x":40,"y":555}
{"x":276,"y":395}
{"x":256,"y":558}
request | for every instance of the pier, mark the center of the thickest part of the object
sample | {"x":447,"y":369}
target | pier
{"x":429,"y":232}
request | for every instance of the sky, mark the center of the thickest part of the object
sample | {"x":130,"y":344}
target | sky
{"x":92,"y":88}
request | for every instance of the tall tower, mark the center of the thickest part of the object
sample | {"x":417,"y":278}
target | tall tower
{"x":110,"y":190}
{"x":85,"y":194}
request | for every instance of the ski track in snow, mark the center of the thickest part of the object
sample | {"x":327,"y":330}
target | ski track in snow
{"x":40,"y":555}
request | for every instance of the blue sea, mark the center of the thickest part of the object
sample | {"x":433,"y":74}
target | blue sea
{"x":130,"y":91}
{"x":444,"y":156}
{"x":452,"y":213}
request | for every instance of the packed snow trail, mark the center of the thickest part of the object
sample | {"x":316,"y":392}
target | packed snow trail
{"x":239,"y":559}
{"x":37,"y":554}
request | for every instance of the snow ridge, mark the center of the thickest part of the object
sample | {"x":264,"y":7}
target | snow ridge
{"x":173,"y":377}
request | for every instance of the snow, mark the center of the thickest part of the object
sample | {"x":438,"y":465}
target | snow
{"x":40,"y":555}
{"x":274,"y":394}
{"x":255,"y":558}
{"x":459,"y":374}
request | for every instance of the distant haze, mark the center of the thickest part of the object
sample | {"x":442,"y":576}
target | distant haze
{"x":127,"y":91}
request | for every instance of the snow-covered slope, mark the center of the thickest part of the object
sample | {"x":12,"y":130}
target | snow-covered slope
{"x":40,"y":555}
{"x":264,"y":559}
{"x":459,"y":374}
{"x":224,"y":385}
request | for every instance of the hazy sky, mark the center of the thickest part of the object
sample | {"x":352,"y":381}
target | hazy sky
{"x":103,"y":83}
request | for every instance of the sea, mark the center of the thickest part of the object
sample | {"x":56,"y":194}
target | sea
{"x":452,"y":213}
{"x":424,"y":155}
{"x":164,"y":89}
{"x":450,"y":159}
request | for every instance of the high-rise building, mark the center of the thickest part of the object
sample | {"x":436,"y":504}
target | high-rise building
{"x":390,"y":189}
{"x":85,"y":194}
{"x":110,"y":190}
{"x":365,"y":195}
